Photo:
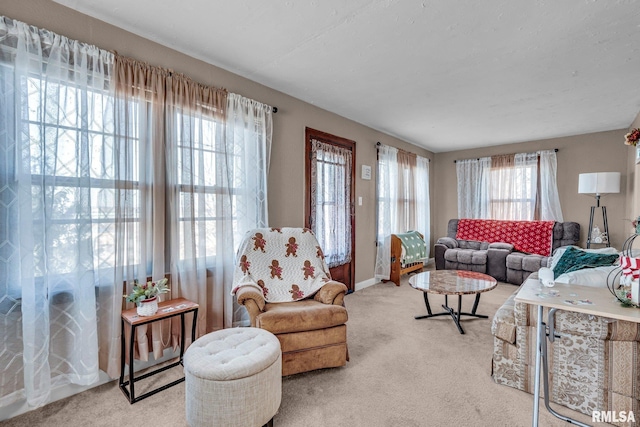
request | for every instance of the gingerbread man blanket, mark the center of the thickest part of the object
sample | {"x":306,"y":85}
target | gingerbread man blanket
{"x":285,"y":264}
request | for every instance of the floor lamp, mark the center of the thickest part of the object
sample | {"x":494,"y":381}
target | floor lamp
{"x":597,"y":184}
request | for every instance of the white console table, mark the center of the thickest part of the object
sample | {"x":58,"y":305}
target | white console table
{"x":604,"y":304}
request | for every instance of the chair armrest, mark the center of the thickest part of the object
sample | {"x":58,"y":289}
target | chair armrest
{"x":253,"y":300}
{"x":449,"y":242}
{"x":331,"y":293}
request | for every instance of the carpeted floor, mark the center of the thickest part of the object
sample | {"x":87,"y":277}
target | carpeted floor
{"x":403,"y":372}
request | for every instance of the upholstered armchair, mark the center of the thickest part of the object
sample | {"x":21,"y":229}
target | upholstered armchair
{"x":281,"y":278}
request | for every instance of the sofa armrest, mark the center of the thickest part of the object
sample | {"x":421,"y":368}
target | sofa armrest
{"x":253,"y":300}
{"x":440,"y":248}
{"x":503,"y":325}
{"x":331,"y":293}
{"x":448,"y":242}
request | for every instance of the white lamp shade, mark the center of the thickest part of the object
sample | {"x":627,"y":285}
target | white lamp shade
{"x":599,"y":183}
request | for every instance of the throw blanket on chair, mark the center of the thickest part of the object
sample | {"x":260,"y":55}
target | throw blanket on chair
{"x":531,"y":237}
{"x":414,"y":249}
{"x":285,"y":264}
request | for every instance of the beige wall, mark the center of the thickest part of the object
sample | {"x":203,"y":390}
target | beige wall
{"x":633,"y":176}
{"x":286,"y":174}
{"x":595,"y":152}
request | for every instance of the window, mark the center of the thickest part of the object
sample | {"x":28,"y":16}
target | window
{"x":512,"y":187}
{"x":402,"y":201}
{"x":199,"y":151}
{"x":70,"y":134}
{"x":513,"y":192}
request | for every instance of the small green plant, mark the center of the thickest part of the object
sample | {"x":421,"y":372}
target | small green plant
{"x":147,"y":290}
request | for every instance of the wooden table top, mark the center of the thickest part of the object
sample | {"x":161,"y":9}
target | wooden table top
{"x":576,"y":298}
{"x":165,"y":308}
{"x":452,"y":282}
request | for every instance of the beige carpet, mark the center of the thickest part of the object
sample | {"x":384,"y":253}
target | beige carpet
{"x":403,"y":372}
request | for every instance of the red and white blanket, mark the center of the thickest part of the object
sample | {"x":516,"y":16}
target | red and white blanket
{"x":532,"y":237}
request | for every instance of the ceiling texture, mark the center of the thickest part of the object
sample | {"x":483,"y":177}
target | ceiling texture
{"x":441,"y":74}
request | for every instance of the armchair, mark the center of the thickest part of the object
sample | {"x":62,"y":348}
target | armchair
{"x":278,"y":271}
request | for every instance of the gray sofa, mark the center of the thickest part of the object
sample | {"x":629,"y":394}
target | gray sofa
{"x":498,"y":260}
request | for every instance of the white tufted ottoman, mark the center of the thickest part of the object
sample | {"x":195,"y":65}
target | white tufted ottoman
{"x":233,"y":377}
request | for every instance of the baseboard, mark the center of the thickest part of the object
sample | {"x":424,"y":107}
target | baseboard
{"x":366,"y":283}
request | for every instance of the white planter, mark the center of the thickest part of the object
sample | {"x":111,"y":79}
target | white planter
{"x":148,"y":307}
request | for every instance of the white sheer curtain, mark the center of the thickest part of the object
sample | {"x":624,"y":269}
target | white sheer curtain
{"x":403,"y":201}
{"x":203,"y":157}
{"x":550,"y":208}
{"x":387,"y":192}
{"x":473,"y":187}
{"x":510,"y":187}
{"x":513,"y":186}
{"x":56,"y":188}
{"x":330,"y":209}
{"x":423,"y":204}
{"x":248,"y":137}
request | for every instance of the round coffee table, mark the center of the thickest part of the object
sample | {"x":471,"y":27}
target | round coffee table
{"x":452,"y":282}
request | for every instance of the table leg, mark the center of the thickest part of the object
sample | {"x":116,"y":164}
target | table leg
{"x":544,"y":356}
{"x":536,"y":379}
{"x":122,"y":352}
{"x":475,"y":304}
{"x":131,"y":381}
{"x":430,"y":314}
{"x":455,"y":315}
{"x":426,"y":302}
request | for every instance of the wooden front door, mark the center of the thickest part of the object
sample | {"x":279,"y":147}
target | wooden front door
{"x":330,"y":209}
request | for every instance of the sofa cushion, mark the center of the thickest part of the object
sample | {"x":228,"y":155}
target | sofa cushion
{"x":466,"y":256}
{"x":473,"y":244}
{"x":306,"y":315}
{"x":523,"y":262}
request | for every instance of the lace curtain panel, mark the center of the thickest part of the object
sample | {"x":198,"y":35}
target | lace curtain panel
{"x":473,"y":187}
{"x":550,"y":208}
{"x":331,"y":205}
{"x":403,"y":201}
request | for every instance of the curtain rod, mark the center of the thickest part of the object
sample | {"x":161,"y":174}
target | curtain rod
{"x":378,"y":144}
{"x":455,"y":161}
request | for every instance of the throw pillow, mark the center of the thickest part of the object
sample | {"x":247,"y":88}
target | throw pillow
{"x":575,"y":259}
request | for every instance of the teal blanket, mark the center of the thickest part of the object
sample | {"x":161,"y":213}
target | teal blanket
{"x":415,"y":249}
{"x":574,"y":259}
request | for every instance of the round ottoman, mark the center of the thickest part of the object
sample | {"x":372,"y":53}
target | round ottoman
{"x":233,"y":377}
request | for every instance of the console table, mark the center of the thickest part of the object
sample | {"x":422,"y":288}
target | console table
{"x":166,"y":310}
{"x":604,"y":305}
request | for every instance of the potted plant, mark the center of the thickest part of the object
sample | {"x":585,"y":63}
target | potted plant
{"x":146,"y":296}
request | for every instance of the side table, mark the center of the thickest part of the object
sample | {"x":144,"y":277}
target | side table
{"x":166,"y":310}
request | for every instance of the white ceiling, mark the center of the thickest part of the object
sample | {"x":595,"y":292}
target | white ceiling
{"x":442,"y":74}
